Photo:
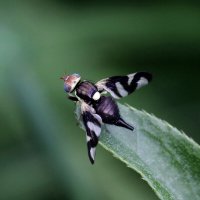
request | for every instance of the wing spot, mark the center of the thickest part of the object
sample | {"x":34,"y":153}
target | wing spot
{"x":121,"y":89}
{"x":94,"y":127}
{"x":112,"y":93}
{"x":92,"y":153}
{"x":88,"y":138}
{"x":130,"y":78}
{"x":142,"y":82}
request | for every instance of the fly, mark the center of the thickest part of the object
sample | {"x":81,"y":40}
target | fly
{"x":96,"y":108}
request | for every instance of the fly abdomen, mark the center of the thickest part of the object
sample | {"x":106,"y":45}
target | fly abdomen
{"x":108,"y":110}
{"x":87,"y":91}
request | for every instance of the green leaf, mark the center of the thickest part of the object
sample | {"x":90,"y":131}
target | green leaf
{"x":164,"y":156}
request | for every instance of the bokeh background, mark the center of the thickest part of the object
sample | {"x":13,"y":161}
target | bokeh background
{"x":42,"y":150}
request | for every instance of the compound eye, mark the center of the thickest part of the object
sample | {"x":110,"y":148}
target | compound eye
{"x":67,"y":88}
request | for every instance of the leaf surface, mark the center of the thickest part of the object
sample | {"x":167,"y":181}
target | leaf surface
{"x":164,"y":156}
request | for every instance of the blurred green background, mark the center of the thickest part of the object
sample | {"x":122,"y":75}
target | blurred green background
{"x":42,"y":150}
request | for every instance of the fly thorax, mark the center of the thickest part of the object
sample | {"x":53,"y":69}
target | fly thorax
{"x":87,"y":91}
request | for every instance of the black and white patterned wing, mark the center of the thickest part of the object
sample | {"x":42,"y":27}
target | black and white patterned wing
{"x":121,"y":86}
{"x":92,"y":123}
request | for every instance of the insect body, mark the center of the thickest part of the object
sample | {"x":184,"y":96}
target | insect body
{"x":97,"y":108}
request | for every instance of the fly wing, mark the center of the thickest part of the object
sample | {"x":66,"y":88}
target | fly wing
{"x":92,"y":123}
{"x":121,"y":86}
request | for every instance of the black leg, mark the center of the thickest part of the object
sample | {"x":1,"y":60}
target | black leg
{"x":72,"y":98}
